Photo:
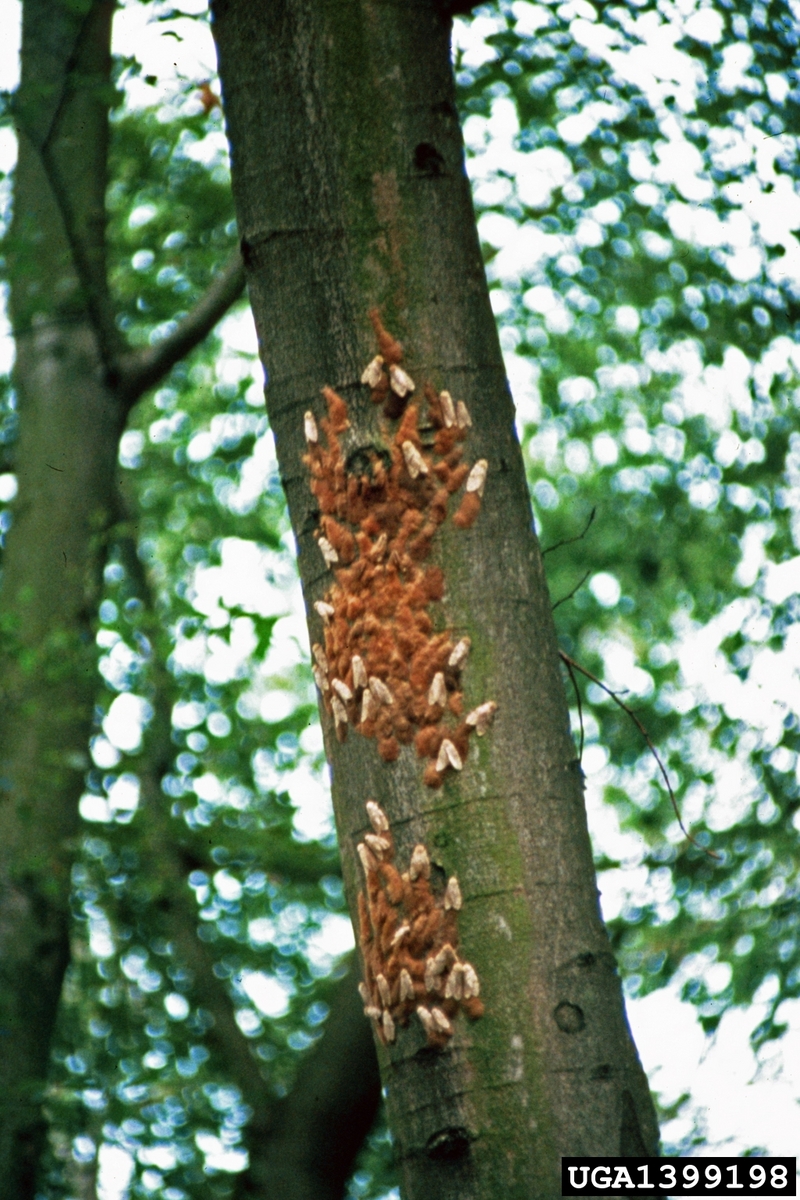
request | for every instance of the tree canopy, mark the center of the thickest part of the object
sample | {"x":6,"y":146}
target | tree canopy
{"x":634,"y":172}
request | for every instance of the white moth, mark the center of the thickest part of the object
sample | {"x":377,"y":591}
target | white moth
{"x":437,"y":692}
{"x":401,"y":383}
{"x":448,"y":757}
{"x":481,"y":717}
{"x":380,"y":691}
{"x":384,"y":989}
{"x":371,"y":1011}
{"x":377,"y":817}
{"x":448,"y":409}
{"x":377,"y":844}
{"x":320,"y":657}
{"x":342,"y":690}
{"x":388,"y":1026}
{"x":367,"y":705}
{"x":431,"y":977}
{"x":320,"y":679}
{"x":463,"y":419}
{"x":359,"y":672}
{"x":363,"y":992}
{"x":406,"y":986}
{"x":339,"y":711}
{"x":426,"y":1018}
{"x":368,"y":860}
{"x":414,"y":461}
{"x":399,"y":934}
{"x":440,"y":1021}
{"x":454,"y":988}
{"x":452,"y":894}
{"x":327,"y":550}
{"x":310,"y":428}
{"x":371,"y":375}
{"x":325,"y":610}
{"x":476,"y":480}
{"x":444,"y":959}
{"x":472,"y":986}
{"x":459,"y":652}
{"x":420,"y":863}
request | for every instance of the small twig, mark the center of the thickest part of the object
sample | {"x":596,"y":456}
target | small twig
{"x":568,"y":665}
{"x":569,"y":595}
{"x":143,"y":369}
{"x":571,"y":666}
{"x":577,"y":538}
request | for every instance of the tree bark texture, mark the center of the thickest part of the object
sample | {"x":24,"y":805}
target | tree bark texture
{"x":351,"y":192}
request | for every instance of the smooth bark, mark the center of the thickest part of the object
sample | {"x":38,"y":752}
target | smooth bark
{"x":350,"y":189}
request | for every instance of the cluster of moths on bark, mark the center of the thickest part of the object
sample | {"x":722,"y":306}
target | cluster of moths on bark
{"x":382,"y":668}
{"x":409,"y":942}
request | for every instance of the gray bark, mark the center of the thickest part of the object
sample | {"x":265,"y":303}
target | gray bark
{"x":350,"y":188}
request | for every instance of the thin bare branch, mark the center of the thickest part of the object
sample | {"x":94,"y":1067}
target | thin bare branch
{"x":569,"y":595}
{"x":572,"y":665}
{"x":571,"y":671}
{"x":143,"y":370}
{"x":578,"y":536}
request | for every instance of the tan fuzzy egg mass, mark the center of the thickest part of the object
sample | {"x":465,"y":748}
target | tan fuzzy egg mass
{"x":383,"y":668}
{"x":408,"y":938}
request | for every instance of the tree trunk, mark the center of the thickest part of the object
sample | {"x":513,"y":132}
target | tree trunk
{"x":66,"y":462}
{"x":351,"y":193}
{"x":74,"y":388}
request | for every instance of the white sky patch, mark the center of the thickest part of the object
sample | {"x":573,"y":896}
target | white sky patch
{"x":115,"y":1171}
{"x":331,"y":941}
{"x":173,"y":61}
{"x":248,"y":576}
{"x":772,"y":687}
{"x":125,"y":721}
{"x":743,"y":1101}
{"x":605,"y":589}
{"x":270,"y":995}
